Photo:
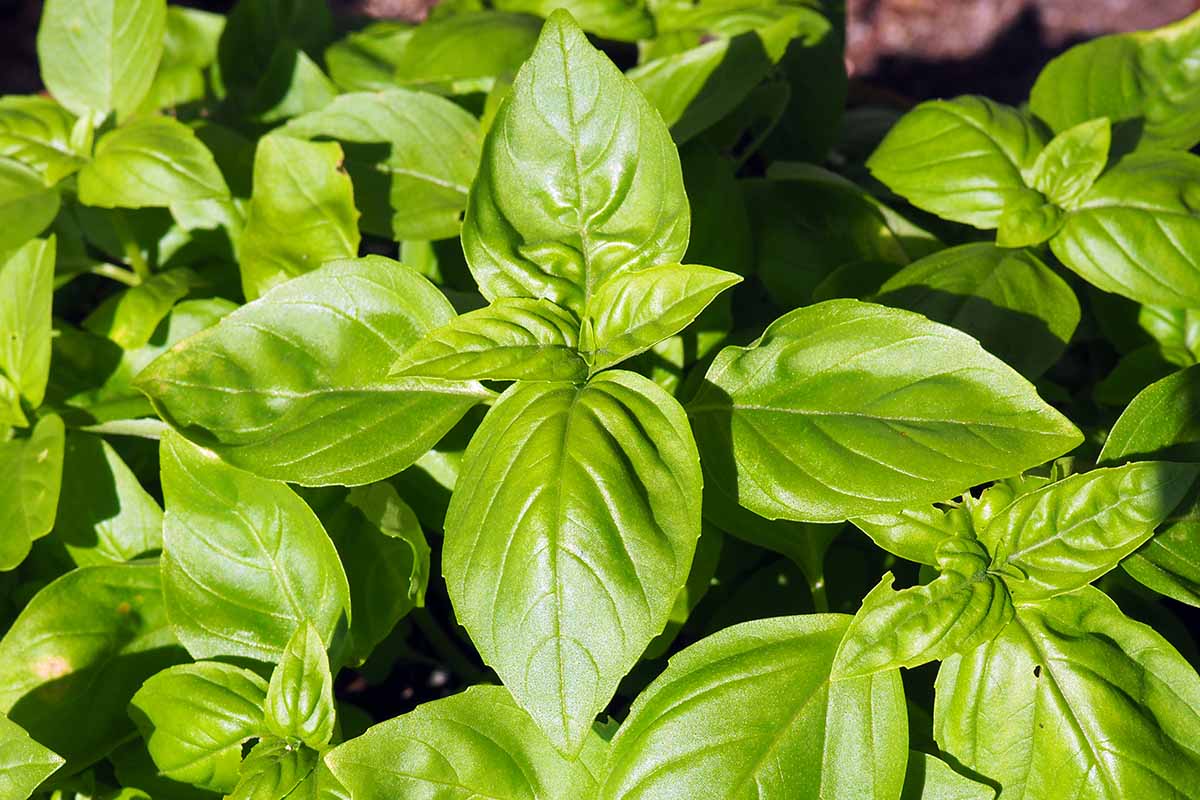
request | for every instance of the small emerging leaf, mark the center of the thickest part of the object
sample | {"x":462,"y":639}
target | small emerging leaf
{"x":1070,"y":164}
{"x":299,"y":701}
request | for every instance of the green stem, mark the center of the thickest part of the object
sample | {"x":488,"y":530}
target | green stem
{"x":146,"y":428}
{"x":113,"y":272}
{"x":451,"y":655}
{"x":820,"y":599}
{"x":133,"y":253}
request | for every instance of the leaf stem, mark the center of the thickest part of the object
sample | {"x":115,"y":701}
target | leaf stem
{"x":820,"y":599}
{"x":450,"y":654}
{"x":119,"y":274}
{"x":133,"y":253}
{"x":146,"y":427}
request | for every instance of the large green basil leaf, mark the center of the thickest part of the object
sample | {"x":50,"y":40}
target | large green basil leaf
{"x":245,"y":561}
{"x":963,"y":159}
{"x":24,"y":763}
{"x":26,"y":296}
{"x":100,"y":56}
{"x":195,"y":719}
{"x":1015,"y":305}
{"x":299,"y":701}
{"x":845,"y":409}
{"x":569,"y":534}
{"x":294,"y":385}
{"x":751,"y":712}
{"x":131,"y":317}
{"x":1071,"y":532}
{"x":622,"y":20}
{"x":391,"y":155}
{"x":1136,"y":230}
{"x":930,"y":778}
{"x":467,"y":52}
{"x":514,"y":338}
{"x":32,"y":470}
{"x":579,"y":179}
{"x":915,"y":533}
{"x":85,"y":641}
{"x":27,"y":207}
{"x":301,"y":213}
{"x":1151,"y":78}
{"x":475,"y":744}
{"x":37,"y":131}
{"x":273,"y":769}
{"x":1073,"y":699}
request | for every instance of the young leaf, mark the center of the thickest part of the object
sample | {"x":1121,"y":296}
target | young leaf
{"x":1027,"y":220}
{"x":916,"y":533}
{"x":475,"y":744}
{"x":99,"y":56}
{"x":846,"y":409}
{"x":131,"y":317}
{"x":579,"y":179}
{"x":27,"y":207}
{"x":633,"y":311}
{"x":1071,"y":532}
{"x":244,"y":559}
{"x":1070,"y":164}
{"x":751,"y":712}
{"x":300,"y":698}
{"x":26,"y":294}
{"x":963,"y":159}
{"x":569,"y":534}
{"x":24,"y":763}
{"x":514,"y":338}
{"x":304,"y":396}
{"x":930,"y":778}
{"x":37,"y":132}
{"x":1073,"y":698}
{"x":273,"y":769}
{"x":195,"y":719}
{"x":32,"y":470}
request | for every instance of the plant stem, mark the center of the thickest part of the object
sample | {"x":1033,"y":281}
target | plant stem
{"x":119,"y":274}
{"x":451,"y":654}
{"x":146,"y":428}
{"x":819,"y":597}
{"x":129,"y":244}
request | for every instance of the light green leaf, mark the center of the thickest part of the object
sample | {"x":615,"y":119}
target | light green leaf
{"x":364,"y":60}
{"x":1073,"y":699}
{"x":98,"y":56}
{"x":190,"y":47}
{"x":845,"y":409}
{"x":930,"y":778}
{"x":579,"y":179}
{"x":24,"y":763}
{"x":301,"y":213}
{"x":1071,"y":532}
{"x":37,"y":132}
{"x":155,"y":161}
{"x":466,"y":52}
{"x":1028,"y":220}
{"x":622,"y":20}
{"x":915,"y":533}
{"x":195,"y":719}
{"x":962,"y":159}
{"x":751,"y":712}
{"x":633,"y":311}
{"x":1176,"y":331}
{"x":300,"y":698}
{"x":305,"y":396}
{"x":32,"y":470}
{"x":27,"y":207}
{"x":130,"y":317}
{"x":475,"y":744}
{"x":273,"y":769}
{"x":26,"y":297}
{"x":11,"y":413}
{"x":514,"y":338}
{"x":245,"y":561}
{"x":1070,"y":164}
{"x":87,"y":640}
{"x":569,"y":534}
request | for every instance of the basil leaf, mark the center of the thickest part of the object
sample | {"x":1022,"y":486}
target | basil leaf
{"x":477,"y":743}
{"x":244,"y":559}
{"x":27,"y":207}
{"x":1132,"y":233}
{"x":364,"y":60}
{"x":273,"y":769}
{"x":514,"y":338}
{"x":32,"y":470}
{"x":37,"y":132}
{"x":467,"y":52}
{"x":751,"y":709}
{"x":916,"y":533}
{"x":572,"y":188}
{"x":195,"y":719}
{"x":1073,"y":697}
{"x":1070,"y":164}
{"x":1027,"y":221}
{"x":301,"y":213}
{"x":100,"y":56}
{"x":131,"y":317}
{"x":26,"y":296}
{"x":622,"y":20}
{"x":930,"y":778}
{"x":570,"y":531}
{"x":24,"y":763}
{"x":300,"y":698}
{"x":1071,"y":532}
{"x":845,"y":409}
{"x":1015,"y":305}
{"x":87,"y":640}
{"x":189,"y":48}
{"x":303,"y":396}
{"x":962,"y":159}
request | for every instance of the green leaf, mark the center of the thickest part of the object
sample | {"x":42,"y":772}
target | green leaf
{"x":26,"y":296}
{"x":364,"y":60}
{"x":622,"y":20}
{"x":104,"y":514}
{"x":154,"y":161}
{"x":24,"y":763}
{"x":1027,"y":221}
{"x":569,"y":534}
{"x":37,"y":132}
{"x":300,"y":698}
{"x":195,"y":719}
{"x":1148,"y":78}
{"x":845,"y":409}
{"x":1071,"y":532}
{"x":915,"y":533}
{"x":1175,"y":330}
{"x":100,"y":56}
{"x":422,"y":179}
{"x":1015,"y":305}
{"x":514,"y":338}
{"x":304,"y":396}
{"x":579,"y":179}
{"x":1070,"y":164}
{"x":189,"y":48}
{"x":32,"y":470}
{"x":951,"y":614}
{"x":962,"y":159}
{"x":273,"y":769}
{"x":27,"y":207}
{"x":245,"y":561}
{"x":475,"y":744}
{"x":87,"y":640}
{"x":751,"y":712}
{"x":633,"y":311}
{"x":131,"y":317}
{"x":1135,"y":231}
{"x":930,"y":778}
{"x":1073,"y":699}
{"x":300,"y":215}
{"x":466,"y":52}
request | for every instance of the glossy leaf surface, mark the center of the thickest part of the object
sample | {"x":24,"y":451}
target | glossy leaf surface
{"x":299,"y":703}
{"x":24,"y":763}
{"x":26,"y":287}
